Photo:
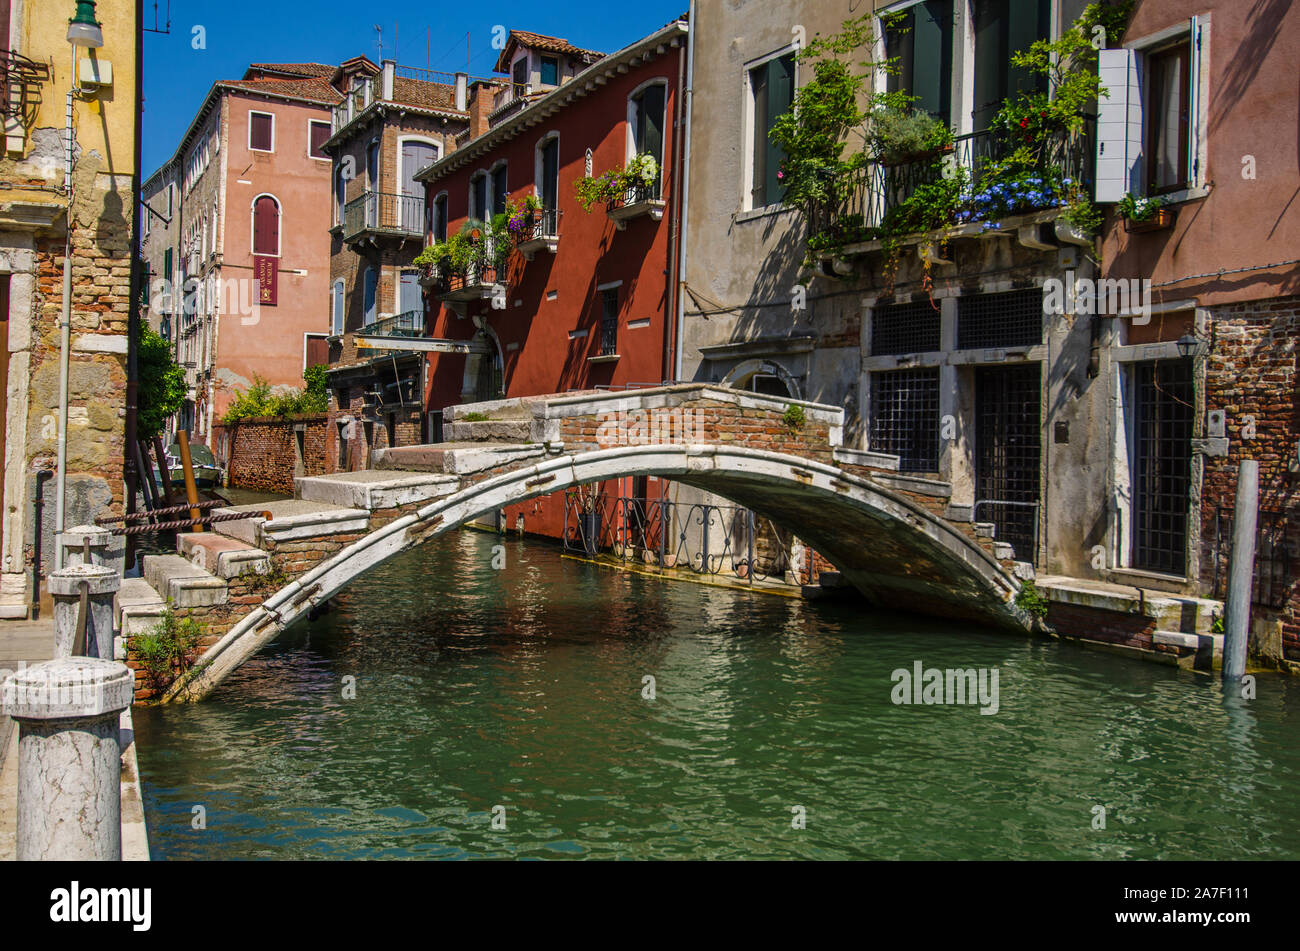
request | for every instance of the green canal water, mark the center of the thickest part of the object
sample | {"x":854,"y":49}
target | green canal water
{"x":523,"y":688}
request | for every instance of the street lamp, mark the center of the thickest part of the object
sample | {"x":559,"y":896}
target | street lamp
{"x":83,"y":29}
{"x":1188,"y":345}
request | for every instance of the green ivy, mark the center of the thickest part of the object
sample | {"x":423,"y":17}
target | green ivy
{"x":164,"y":650}
{"x":1031,"y":600}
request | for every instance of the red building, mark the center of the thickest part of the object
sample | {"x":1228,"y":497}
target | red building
{"x":576,"y":298}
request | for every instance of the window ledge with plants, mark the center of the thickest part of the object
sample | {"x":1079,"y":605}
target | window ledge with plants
{"x":634,"y":191}
{"x":470,"y":263}
{"x":872,"y":174}
{"x":533,"y":227}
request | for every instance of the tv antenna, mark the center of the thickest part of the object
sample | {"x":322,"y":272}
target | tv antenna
{"x":166,"y":29}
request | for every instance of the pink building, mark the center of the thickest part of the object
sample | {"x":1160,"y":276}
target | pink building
{"x":237,"y":237}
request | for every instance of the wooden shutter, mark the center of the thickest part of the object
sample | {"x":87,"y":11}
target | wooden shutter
{"x":930,"y":79}
{"x":651,"y":133}
{"x":780,"y":95}
{"x":266,"y":226}
{"x":1119,"y":123}
{"x":261,"y":130}
{"x":370,"y":293}
{"x":320,"y":133}
{"x":338,"y":308}
{"x":550,"y":173}
{"x":499,"y":193}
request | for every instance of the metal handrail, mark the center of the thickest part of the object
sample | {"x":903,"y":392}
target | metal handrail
{"x":383,"y":211}
{"x":409,"y":323}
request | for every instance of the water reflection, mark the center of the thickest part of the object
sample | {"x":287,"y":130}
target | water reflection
{"x":522,"y":688}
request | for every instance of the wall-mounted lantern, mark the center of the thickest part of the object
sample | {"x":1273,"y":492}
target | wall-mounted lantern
{"x":83,"y":29}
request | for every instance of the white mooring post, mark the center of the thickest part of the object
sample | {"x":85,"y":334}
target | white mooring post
{"x":99,"y":584}
{"x":1240,"y":571}
{"x":69,"y":757}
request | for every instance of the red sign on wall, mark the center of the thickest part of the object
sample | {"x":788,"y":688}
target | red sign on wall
{"x":265,"y":272}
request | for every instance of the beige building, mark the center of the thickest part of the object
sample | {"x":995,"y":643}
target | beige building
{"x":65,"y":266}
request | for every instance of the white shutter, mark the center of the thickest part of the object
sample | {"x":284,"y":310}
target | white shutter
{"x":1119,"y":124}
{"x":1194,"y":105}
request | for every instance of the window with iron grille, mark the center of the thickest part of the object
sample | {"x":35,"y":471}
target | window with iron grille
{"x":609,"y":322}
{"x":905,"y":328}
{"x":1163,"y":396}
{"x":1012,"y":319}
{"x":1008,"y":448}
{"x":905,"y":417}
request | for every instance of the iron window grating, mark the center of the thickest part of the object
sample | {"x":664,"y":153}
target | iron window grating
{"x":905,"y":328}
{"x":1163,"y":394}
{"x":905,"y":417}
{"x":1010,"y":319}
{"x":1008,"y":446}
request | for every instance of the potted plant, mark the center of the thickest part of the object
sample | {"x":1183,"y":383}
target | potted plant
{"x":901,"y":135}
{"x":1143,"y":214}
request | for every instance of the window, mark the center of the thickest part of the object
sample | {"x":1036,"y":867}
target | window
{"x":904,"y":328}
{"x":167,"y":269}
{"x":1168,"y":119}
{"x":261,"y":131}
{"x":920,"y":39}
{"x":520,"y":74}
{"x":336,"y":308}
{"x":1012,"y":319}
{"x":1004,"y":27}
{"x":499,"y":190}
{"x":340,"y":194}
{"x":440,"y":217}
{"x":548,"y":187}
{"x":478,"y":195}
{"x":372,"y":165}
{"x":171,"y":195}
{"x":318,"y":135}
{"x":266,"y":226}
{"x":370,"y":295}
{"x":647,"y":121}
{"x":609,"y":321}
{"x":550,"y":71}
{"x":144,"y":219}
{"x":772,"y":89}
{"x":905,"y":417}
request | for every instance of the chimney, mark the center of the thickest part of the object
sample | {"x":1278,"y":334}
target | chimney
{"x":462,"y":91}
{"x":482,"y":100}
{"x":390,"y":70}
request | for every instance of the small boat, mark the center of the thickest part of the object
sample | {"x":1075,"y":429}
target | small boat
{"x":207,"y":474}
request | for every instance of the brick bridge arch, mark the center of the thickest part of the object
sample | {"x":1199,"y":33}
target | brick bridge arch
{"x":887,"y":533}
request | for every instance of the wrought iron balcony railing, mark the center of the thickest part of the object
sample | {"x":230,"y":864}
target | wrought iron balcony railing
{"x":20,"y":87}
{"x":407,"y":324}
{"x":471,"y":279}
{"x":541,"y":224}
{"x":380,"y":213}
{"x":867,"y":198}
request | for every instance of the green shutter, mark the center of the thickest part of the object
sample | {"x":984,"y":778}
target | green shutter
{"x":931,"y":73}
{"x":780,"y":96}
{"x":1027,"y":21}
{"x":990,"y":57}
{"x":652,"y":111}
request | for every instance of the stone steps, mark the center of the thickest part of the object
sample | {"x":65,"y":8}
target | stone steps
{"x":136,"y":607}
{"x":291,"y":520}
{"x":489,"y":431}
{"x":222,"y":555}
{"x":183,"y":583}
{"x":373,"y":489}
{"x":453,"y":458}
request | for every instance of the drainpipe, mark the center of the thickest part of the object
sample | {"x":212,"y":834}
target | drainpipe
{"x":65,"y":332}
{"x":692,"y":27}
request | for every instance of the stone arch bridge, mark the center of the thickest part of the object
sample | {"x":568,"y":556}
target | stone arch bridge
{"x":893,"y":536}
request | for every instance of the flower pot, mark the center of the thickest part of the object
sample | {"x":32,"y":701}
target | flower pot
{"x":1162,"y":219}
{"x":1068,"y":233}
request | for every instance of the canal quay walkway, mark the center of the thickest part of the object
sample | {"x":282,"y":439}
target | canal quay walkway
{"x":29,"y":642}
{"x":897,"y":538}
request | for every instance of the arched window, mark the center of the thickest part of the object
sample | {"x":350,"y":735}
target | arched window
{"x":266,"y":226}
{"x":547,"y":170}
{"x":336,"y":327}
{"x":340,"y":194}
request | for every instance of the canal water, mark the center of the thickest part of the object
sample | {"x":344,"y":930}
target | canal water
{"x":519,"y":695}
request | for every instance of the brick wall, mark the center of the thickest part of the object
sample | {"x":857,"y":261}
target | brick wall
{"x":264,"y":455}
{"x":1252,"y":372}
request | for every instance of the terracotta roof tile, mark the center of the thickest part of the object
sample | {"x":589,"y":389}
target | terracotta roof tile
{"x":297,"y":69}
{"x":420,"y":92}
{"x":541,"y":41}
{"x":312,"y":90}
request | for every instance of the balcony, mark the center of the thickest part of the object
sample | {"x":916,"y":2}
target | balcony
{"x":636,"y":202}
{"x":873,"y":207}
{"x":408,"y":324}
{"x":541,"y":232}
{"x":376,"y":215}
{"x":20,"y":95}
{"x":477,"y":281}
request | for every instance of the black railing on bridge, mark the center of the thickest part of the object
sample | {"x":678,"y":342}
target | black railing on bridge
{"x":660,"y":534}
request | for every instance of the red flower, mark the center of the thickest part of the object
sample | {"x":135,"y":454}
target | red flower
{"x":1024,"y":123}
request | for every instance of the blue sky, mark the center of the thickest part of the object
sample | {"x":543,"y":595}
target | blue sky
{"x":238,"y":32}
